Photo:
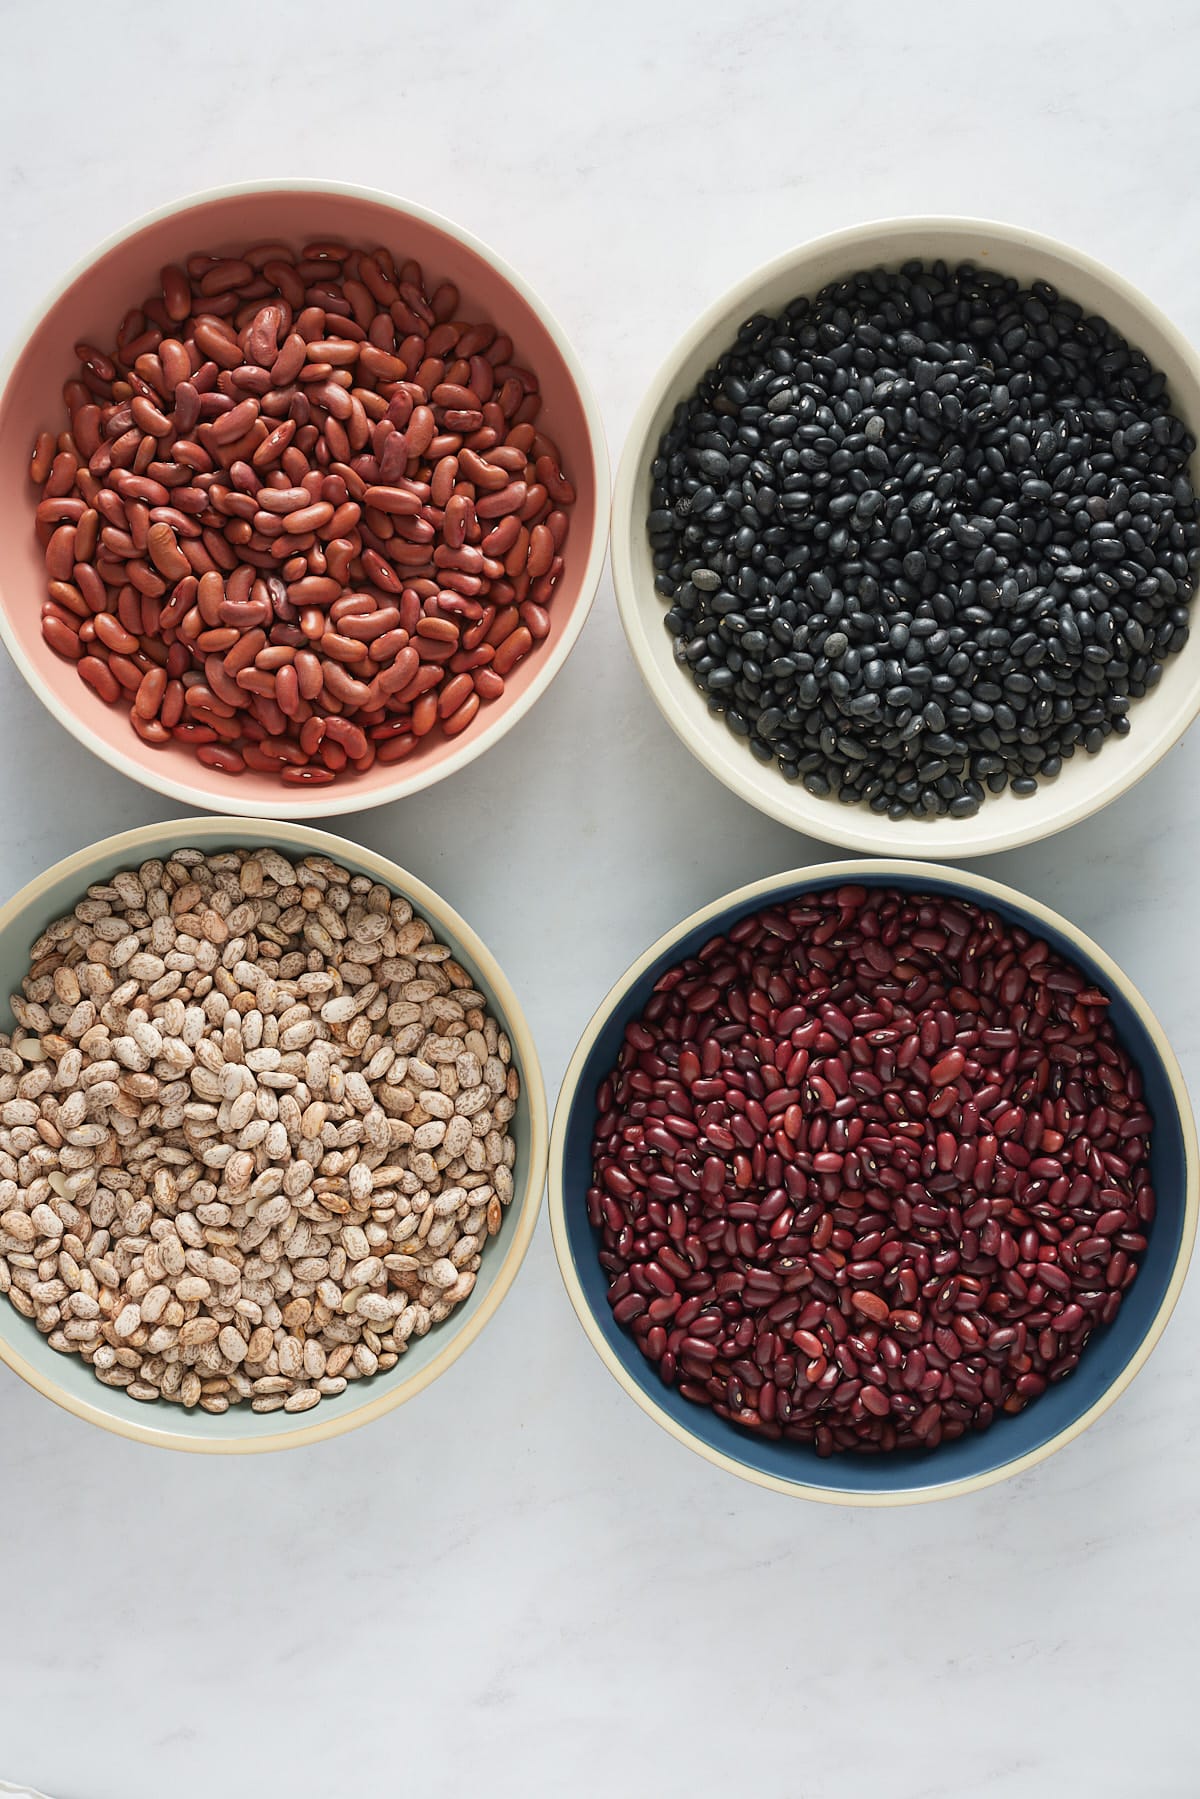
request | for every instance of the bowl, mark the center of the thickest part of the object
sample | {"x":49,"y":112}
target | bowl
{"x":1086,"y":783}
{"x":69,"y":1381}
{"x":90,"y":303}
{"x":1112,"y":1355}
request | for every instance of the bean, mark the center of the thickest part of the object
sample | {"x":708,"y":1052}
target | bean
{"x":516,"y":645}
{"x":61,"y":509}
{"x":166,"y":554}
{"x":42,"y":458}
{"x":536,"y":620}
{"x":344,"y":687}
{"x":61,"y":638}
{"x":150,"y":691}
{"x":150,"y":418}
{"x":459,"y":720}
{"x":309,"y":674}
{"x":235,"y":423}
{"x":273,"y":447}
{"x":877,"y":1238}
{"x":395,"y":501}
{"x":111,"y":634}
{"x":98,"y":677}
{"x":541,"y":552}
{"x":60,"y":555}
{"x":222,"y":757}
{"x":150,"y":730}
{"x":897,"y":592}
{"x":307,"y":777}
{"x":508,"y":499}
{"x":309,"y":518}
{"x":342,"y":649}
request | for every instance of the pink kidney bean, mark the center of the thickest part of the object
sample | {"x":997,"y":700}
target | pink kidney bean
{"x":302,"y":517}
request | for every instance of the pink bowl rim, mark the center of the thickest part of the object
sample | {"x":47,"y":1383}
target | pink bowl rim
{"x":328,"y":802}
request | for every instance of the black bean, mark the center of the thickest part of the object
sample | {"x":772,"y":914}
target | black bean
{"x":922,"y":535}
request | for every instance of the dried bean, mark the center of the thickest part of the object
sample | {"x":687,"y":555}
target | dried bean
{"x":925,"y":535}
{"x":258,"y":450}
{"x":861,"y":1215}
{"x":283,"y":1180}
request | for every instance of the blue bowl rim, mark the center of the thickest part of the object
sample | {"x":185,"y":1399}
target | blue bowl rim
{"x":910,"y":873}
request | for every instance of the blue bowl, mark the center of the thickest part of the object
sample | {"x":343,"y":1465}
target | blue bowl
{"x":1112,"y":1356}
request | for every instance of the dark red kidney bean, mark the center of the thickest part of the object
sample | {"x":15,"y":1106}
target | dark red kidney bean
{"x":903,"y":1200}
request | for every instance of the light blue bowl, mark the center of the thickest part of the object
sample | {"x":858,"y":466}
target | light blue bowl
{"x":68,"y":1380}
{"x":1112,"y":1356}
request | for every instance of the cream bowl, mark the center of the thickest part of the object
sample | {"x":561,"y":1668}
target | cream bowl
{"x":69,"y":1381}
{"x":89,"y":304}
{"x":1112,"y":1356}
{"x":1086,"y":783}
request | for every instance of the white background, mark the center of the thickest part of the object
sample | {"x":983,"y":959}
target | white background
{"x":517,"y":1586}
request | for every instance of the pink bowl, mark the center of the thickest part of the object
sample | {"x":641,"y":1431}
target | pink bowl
{"x":91,"y":303}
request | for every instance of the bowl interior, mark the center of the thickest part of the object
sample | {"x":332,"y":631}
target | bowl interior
{"x":904,"y":1472}
{"x":91,"y":307}
{"x":1086,"y":782}
{"x":25,"y":919}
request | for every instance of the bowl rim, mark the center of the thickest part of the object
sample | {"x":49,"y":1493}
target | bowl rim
{"x":328,"y":802}
{"x":832,"y":874}
{"x":854,"y":827}
{"x":145,"y":841}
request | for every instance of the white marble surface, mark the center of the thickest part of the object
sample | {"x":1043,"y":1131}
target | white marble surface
{"x":517,"y":1586}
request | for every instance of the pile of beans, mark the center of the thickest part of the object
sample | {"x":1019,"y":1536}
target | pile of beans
{"x":302,"y":516}
{"x":926,"y":535}
{"x":870,"y":1169}
{"x":254,"y":1131}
